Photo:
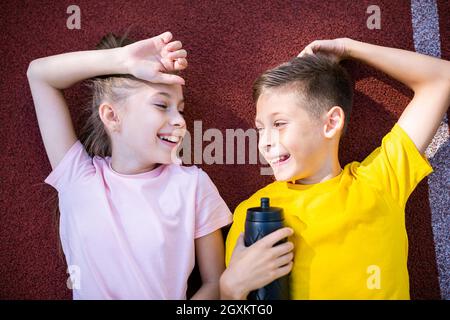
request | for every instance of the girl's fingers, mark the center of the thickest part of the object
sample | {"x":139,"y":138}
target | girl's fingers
{"x":166,"y":36}
{"x":166,"y":78}
{"x":177,"y":54}
{"x":173,"y":46}
{"x":180,"y":64}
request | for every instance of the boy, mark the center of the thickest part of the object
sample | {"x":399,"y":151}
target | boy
{"x":347,"y":225}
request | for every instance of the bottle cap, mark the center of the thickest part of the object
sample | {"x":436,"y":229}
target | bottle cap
{"x":265,"y":213}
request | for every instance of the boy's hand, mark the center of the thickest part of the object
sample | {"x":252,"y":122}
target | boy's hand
{"x":336,"y":50}
{"x":152,"y":58}
{"x":254,"y":267}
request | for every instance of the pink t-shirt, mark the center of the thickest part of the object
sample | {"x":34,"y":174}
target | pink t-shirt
{"x":132,"y":236}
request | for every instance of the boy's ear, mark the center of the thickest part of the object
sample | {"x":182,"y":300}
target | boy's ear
{"x":334,"y":122}
{"x":109,"y":116}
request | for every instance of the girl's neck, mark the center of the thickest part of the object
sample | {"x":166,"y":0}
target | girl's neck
{"x":125,"y":163}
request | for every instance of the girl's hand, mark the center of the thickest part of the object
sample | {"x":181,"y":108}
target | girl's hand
{"x":254,"y":267}
{"x":153,"y":58}
{"x":336,"y":50}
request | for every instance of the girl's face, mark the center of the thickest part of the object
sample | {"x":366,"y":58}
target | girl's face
{"x":152,"y":124}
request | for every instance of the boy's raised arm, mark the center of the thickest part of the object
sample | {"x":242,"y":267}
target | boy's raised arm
{"x":428,"y":77}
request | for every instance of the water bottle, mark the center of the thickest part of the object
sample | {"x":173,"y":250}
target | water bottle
{"x":260,"y":222}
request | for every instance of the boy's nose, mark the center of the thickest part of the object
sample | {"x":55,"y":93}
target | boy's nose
{"x":268,"y":139}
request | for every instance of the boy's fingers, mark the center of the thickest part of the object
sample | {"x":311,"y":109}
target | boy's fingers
{"x":284,"y":270}
{"x":240,"y":245}
{"x":309,"y":50}
{"x":240,"y":240}
{"x":274,"y":237}
{"x":282,"y":249}
{"x":284,"y":260}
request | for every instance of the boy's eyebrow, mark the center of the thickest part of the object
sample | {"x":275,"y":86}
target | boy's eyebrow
{"x":257,"y":121}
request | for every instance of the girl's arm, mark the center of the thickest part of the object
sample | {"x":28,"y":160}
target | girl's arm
{"x":428,"y":77}
{"x":48,"y":76}
{"x":210,"y":254}
{"x":146,"y":59}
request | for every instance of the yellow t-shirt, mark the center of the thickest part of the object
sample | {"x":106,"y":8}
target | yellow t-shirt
{"x":349,"y":232}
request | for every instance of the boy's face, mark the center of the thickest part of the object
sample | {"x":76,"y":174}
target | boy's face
{"x":290,"y":138}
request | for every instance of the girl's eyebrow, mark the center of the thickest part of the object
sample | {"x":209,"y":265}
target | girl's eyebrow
{"x":165,"y":94}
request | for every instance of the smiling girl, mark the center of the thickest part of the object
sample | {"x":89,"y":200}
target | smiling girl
{"x":133,"y":221}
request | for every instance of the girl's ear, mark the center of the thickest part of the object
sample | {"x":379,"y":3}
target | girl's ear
{"x":109,"y":116}
{"x":334,"y":122}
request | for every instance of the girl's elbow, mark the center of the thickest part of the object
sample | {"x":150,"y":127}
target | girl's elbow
{"x":33,"y":69}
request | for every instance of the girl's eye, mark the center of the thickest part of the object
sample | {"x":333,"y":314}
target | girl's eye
{"x":162,"y":106}
{"x":181,"y":112}
{"x":259,"y":130}
{"x":278,"y":124}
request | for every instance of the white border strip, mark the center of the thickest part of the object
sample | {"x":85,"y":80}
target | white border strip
{"x":425,"y":25}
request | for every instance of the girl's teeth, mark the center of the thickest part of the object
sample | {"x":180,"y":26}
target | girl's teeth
{"x":170,"y":139}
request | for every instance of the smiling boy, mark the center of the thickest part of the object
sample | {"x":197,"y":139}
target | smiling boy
{"x":347,"y":225}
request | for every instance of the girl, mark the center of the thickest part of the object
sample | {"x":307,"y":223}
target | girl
{"x":132,"y":221}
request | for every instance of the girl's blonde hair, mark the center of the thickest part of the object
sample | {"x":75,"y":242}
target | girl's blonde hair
{"x":113,"y":88}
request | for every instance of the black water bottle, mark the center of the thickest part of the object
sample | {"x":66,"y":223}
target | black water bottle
{"x":260,"y":222}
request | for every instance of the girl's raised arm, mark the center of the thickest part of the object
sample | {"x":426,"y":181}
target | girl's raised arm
{"x":147,"y":59}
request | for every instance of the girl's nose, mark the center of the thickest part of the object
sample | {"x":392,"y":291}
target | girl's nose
{"x":177,"y":120}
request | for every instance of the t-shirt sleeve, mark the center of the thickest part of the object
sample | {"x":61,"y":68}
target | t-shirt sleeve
{"x":74,"y":166}
{"x":236,"y":229}
{"x":212,"y":213}
{"x":396,"y":167}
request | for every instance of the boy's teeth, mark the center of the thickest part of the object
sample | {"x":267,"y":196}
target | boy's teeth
{"x":280,"y":158}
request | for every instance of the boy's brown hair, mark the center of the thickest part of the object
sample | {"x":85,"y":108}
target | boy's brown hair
{"x":319,"y":82}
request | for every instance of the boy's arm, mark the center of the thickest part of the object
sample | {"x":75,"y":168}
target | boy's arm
{"x":48,"y":76}
{"x":428,"y":77}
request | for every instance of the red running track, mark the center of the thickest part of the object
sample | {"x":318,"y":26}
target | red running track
{"x":229,"y":45}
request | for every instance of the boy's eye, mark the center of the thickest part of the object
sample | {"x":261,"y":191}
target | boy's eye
{"x":279,"y":124}
{"x":259,"y":130}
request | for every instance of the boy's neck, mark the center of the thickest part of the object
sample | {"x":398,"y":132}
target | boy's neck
{"x":326,"y":172}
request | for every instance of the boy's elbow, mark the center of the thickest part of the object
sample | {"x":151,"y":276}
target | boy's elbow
{"x":446,"y":74}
